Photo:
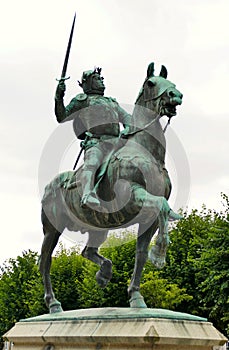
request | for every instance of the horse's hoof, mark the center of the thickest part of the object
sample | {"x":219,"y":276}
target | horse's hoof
{"x":137,"y":300}
{"x":102,"y":282}
{"x":159,"y":264}
{"x":157,"y":259}
{"x":103,"y":276}
{"x":55,"y":307}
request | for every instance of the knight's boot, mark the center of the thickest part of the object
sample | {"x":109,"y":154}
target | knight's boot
{"x":89,"y":198}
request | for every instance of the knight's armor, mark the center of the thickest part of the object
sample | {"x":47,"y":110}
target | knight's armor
{"x":96,"y":121}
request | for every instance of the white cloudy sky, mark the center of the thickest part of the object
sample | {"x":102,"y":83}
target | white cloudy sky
{"x":123,"y":36}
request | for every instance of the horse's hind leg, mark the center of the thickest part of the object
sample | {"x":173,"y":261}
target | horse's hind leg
{"x":51,"y":237}
{"x":90,"y":252}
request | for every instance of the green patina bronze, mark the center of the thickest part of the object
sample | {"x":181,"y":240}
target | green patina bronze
{"x":96,"y":121}
{"x":115,"y":313}
{"x":123,"y":180}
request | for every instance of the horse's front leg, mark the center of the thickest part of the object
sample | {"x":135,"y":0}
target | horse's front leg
{"x":157,"y":254}
{"x":90,"y":252}
{"x":143,"y":241}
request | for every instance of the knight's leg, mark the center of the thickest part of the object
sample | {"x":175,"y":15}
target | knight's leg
{"x":92,"y":160}
{"x":144,"y":237}
{"x":90,"y":252}
{"x":51,"y":236}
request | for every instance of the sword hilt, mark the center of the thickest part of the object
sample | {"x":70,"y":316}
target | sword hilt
{"x":63,"y":79}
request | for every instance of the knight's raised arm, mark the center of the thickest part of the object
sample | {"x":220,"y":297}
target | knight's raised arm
{"x":59,"y":102}
{"x":64,"y":114}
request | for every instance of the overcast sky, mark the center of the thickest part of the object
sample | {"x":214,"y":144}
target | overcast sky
{"x":191,"y":38}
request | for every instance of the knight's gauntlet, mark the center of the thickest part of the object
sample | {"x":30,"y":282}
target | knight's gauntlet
{"x":60,"y":90}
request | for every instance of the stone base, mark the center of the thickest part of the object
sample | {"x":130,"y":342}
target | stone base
{"x":115,"y":328}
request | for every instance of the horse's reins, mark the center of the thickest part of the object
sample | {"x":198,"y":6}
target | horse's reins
{"x":167,"y":124}
{"x":149,"y":124}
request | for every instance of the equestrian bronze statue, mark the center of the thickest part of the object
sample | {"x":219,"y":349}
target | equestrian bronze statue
{"x":130,"y":185}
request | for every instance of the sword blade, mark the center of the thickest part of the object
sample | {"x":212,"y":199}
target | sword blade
{"x":64,"y":70}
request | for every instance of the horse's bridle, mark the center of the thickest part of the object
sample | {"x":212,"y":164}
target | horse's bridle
{"x":149,"y":124}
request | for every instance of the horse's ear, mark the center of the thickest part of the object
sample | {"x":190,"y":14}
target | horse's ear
{"x":150,"y":70}
{"x":163,"y":72}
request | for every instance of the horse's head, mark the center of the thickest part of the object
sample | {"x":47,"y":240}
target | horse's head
{"x":159,"y":94}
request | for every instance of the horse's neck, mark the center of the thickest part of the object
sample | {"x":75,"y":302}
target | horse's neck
{"x":150,"y":134}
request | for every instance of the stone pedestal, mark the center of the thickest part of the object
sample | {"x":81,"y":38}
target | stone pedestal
{"x":115,"y":328}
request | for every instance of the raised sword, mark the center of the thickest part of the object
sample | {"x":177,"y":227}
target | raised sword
{"x":64,"y":70}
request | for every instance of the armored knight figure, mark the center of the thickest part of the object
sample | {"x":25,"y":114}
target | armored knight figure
{"x":96,"y":121}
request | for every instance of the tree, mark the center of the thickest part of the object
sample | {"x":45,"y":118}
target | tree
{"x":188,"y":238}
{"x":160,"y":293}
{"x":21,"y":287}
{"x":67,"y":273}
{"x":198,"y":260}
{"x":214,"y":288}
{"x":120,"y":249}
{"x":21,"y":290}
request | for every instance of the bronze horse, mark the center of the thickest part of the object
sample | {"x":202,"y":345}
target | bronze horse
{"x":133,"y":188}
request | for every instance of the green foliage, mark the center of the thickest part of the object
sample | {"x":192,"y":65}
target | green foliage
{"x":160,"y":293}
{"x":91,"y":295}
{"x":120,"y":249}
{"x":21,"y":290}
{"x":66,"y":275}
{"x":188,"y":238}
{"x":214,"y":287}
{"x":198,"y":260}
{"x":21,"y":286}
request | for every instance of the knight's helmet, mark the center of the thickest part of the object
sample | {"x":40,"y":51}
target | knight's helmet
{"x":86,"y":81}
